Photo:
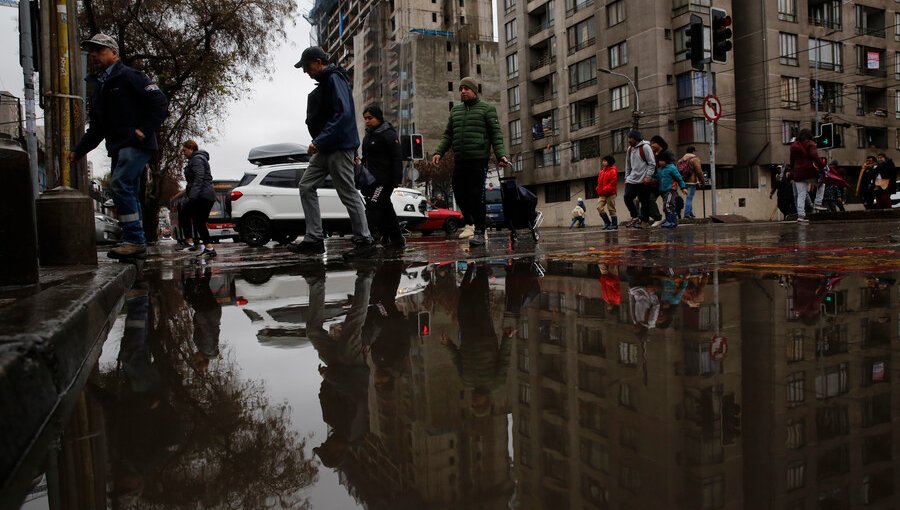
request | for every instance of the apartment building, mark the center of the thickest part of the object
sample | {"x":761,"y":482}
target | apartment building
{"x":562,"y":114}
{"x":409,"y":55}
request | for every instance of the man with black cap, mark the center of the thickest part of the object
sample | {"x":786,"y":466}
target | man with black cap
{"x":126,"y":109}
{"x":331,"y":119}
{"x":640,"y":166}
{"x":472,"y":123}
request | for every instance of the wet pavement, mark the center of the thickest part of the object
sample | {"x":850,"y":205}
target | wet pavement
{"x":714,"y":366}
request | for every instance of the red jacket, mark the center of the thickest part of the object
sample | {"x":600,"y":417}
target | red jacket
{"x":804,"y":160}
{"x":607,"y":180}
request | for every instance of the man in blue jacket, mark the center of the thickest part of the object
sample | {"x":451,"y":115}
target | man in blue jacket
{"x":331,"y":119}
{"x":126,"y":110}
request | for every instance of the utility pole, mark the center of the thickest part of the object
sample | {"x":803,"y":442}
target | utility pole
{"x":26,"y":49}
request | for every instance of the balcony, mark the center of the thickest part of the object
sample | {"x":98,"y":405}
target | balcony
{"x":542,"y":61}
{"x":870,"y":21}
{"x":582,"y":45}
{"x":573,"y":6}
{"x":825,"y":14}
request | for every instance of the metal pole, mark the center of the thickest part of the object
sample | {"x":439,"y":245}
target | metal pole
{"x":63,"y":90}
{"x":818,"y":91}
{"x":27,"y":61}
{"x":712,"y":164}
{"x":636,"y":112}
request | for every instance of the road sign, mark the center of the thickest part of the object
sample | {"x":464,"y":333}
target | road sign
{"x":719,"y":348}
{"x":712,"y":108}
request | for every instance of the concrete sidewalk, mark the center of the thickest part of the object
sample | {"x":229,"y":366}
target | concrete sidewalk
{"x":50,"y":338}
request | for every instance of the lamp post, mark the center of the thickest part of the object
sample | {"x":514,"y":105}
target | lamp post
{"x":636,"y":112}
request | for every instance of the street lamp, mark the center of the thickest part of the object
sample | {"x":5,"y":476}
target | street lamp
{"x":636,"y":113}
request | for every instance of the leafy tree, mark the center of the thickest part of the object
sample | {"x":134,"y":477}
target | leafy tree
{"x":202,"y":54}
{"x":439,"y":176}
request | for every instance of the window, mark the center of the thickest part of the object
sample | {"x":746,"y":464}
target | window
{"x":515,"y":132}
{"x":512,"y":96}
{"x":795,"y":346}
{"x":796,"y":434}
{"x":618,"y":137}
{"x":625,"y":399}
{"x":594,"y":455}
{"x":825,"y":14}
{"x":790,"y":92}
{"x":618,"y":55}
{"x":615,"y":12}
{"x":693,"y":86}
{"x":583,"y":114}
{"x":590,"y":341}
{"x":795,"y":391}
{"x":619,"y":98}
{"x":897,"y":65}
{"x":478,"y":49}
{"x":581,"y":35}
{"x":512,"y":66}
{"x":693,"y":131}
{"x":548,"y":156}
{"x":591,"y":379}
{"x":281,"y":179}
{"x":557,"y":192}
{"x":787,"y":49}
{"x":795,"y":475}
{"x":586,"y":148}
{"x":628,"y":354}
{"x":524,"y":363}
{"x":832,"y":381}
{"x":511,"y":33}
{"x":582,"y":74}
{"x":789,"y":130}
{"x":897,"y":26}
{"x":573,"y":6}
{"x":434,"y":17}
{"x":832,"y":421}
{"x":450,"y":66}
{"x":711,"y":493}
{"x":450,"y":86}
{"x":897,"y":104}
{"x":524,"y":393}
{"x":787,"y":10}
{"x":478,"y":69}
{"x":508,"y":5}
{"x":826,"y":55}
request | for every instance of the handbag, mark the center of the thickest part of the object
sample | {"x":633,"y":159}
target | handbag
{"x":362,"y":177}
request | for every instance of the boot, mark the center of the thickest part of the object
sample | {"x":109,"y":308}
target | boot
{"x":606,"y":222}
{"x":614,"y":223}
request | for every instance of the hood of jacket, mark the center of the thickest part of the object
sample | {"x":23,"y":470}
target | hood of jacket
{"x":332,"y":69}
{"x":384,"y":126}
{"x":200,"y":154}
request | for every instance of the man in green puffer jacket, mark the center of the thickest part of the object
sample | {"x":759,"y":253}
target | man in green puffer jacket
{"x":472,"y":131}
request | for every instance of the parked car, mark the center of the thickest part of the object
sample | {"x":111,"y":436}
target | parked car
{"x":106,"y":229}
{"x":493,"y":201}
{"x":220,"y":224}
{"x":265,"y":204}
{"x":439,"y":218}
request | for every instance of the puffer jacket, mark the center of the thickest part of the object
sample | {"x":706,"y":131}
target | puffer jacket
{"x":199,"y":177}
{"x":382,"y":155}
{"x":473,"y":128}
{"x":607,"y":181}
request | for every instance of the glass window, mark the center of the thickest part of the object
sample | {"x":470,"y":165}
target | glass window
{"x":790,"y":92}
{"x":618,"y":55}
{"x":615,"y":12}
{"x":619,"y":98}
{"x":618,"y":137}
{"x":795,"y":390}
{"x":509,"y":5}
{"x":787,"y":49}
{"x":512,"y":66}
{"x":787,"y":10}
{"x":581,"y":35}
{"x":512,"y":95}
{"x":795,"y":475}
{"x":693,"y":86}
{"x":515,"y":132}
{"x":281,"y":179}
{"x":825,"y":14}
{"x":789,"y":130}
{"x":557,"y":192}
{"x":826,"y":55}
{"x":693,"y":131}
{"x":583,"y":74}
{"x":511,"y":33}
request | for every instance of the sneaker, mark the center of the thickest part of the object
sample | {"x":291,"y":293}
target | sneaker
{"x":127,"y":251}
{"x":467,"y":232}
{"x":193,"y":247}
{"x":657,"y":223}
{"x":182,"y":246}
{"x":803,"y":221}
{"x":207,"y":252}
{"x":308,"y":247}
{"x":477,"y":240}
{"x":360,"y":250}
{"x":635,"y":223}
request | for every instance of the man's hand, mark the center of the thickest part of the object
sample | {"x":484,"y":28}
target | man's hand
{"x":139,"y":134}
{"x":684,"y":191}
{"x":435,"y":159}
{"x":312,"y":149}
{"x":71,"y":157}
{"x":504,"y":162}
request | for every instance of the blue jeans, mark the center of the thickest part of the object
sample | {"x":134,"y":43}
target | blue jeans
{"x":689,"y":201}
{"x":127,"y":166}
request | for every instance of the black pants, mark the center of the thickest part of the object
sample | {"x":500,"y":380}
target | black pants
{"x":380,"y":211}
{"x":184,"y":222}
{"x":642,"y":193}
{"x":198,"y":211}
{"x":468,"y":186}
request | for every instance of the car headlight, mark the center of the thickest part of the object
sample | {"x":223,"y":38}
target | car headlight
{"x":406,"y":194}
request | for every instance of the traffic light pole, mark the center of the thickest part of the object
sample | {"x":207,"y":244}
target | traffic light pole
{"x":712,"y":163}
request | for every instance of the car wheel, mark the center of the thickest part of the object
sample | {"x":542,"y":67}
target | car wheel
{"x":285,"y":238}
{"x":451,"y":225}
{"x":256,"y":230}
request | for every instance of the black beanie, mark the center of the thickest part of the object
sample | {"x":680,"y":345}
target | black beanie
{"x":375,"y":111}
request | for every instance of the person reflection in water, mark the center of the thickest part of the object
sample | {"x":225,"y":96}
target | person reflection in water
{"x":387,"y":327}
{"x":207,"y":318}
{"x":482,"y":363}
{"x":345,"y":373}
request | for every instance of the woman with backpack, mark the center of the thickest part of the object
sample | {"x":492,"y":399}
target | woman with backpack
{"x":692,"y":172}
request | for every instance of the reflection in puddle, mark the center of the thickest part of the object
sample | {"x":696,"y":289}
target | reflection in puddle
{"x":497,"y":384}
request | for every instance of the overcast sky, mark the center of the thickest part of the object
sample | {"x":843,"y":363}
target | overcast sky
{"x":273,"y":111}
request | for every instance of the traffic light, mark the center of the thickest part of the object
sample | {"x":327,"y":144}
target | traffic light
{"x":721,"y":34}
{"x":829,"y":305}
{"x":731,"y":420}
{"x":424,"y":323}
{"x":418,"y":147}
{"x":825,"y":140}
{"x":693,"y":41}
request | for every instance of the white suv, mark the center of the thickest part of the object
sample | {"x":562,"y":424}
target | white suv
{"x":265,"y":204}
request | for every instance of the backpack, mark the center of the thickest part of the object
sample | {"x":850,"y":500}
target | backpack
{"x":685,"y":167}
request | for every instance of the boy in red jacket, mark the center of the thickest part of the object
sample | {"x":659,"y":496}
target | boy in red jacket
{"x":607,"y":182}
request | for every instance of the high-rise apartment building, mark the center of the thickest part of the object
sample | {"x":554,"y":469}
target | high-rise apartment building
{"x":409,"y":55}
{"x":562,"y":113}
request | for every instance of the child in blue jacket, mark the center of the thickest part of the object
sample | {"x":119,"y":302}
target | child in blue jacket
{"x":667,"y":175}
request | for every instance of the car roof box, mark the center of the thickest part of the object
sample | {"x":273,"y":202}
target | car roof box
{"x":278,"y":153}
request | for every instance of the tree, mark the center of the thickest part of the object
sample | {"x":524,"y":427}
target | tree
{"x":439,"y":176}
{"x":203,"y":55}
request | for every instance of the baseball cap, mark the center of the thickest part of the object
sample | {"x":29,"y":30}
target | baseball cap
{"x":101,"y":39}
{"x":310,"y":54}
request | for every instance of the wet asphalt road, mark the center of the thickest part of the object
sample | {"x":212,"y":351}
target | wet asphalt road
{"x":715,"y":366}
